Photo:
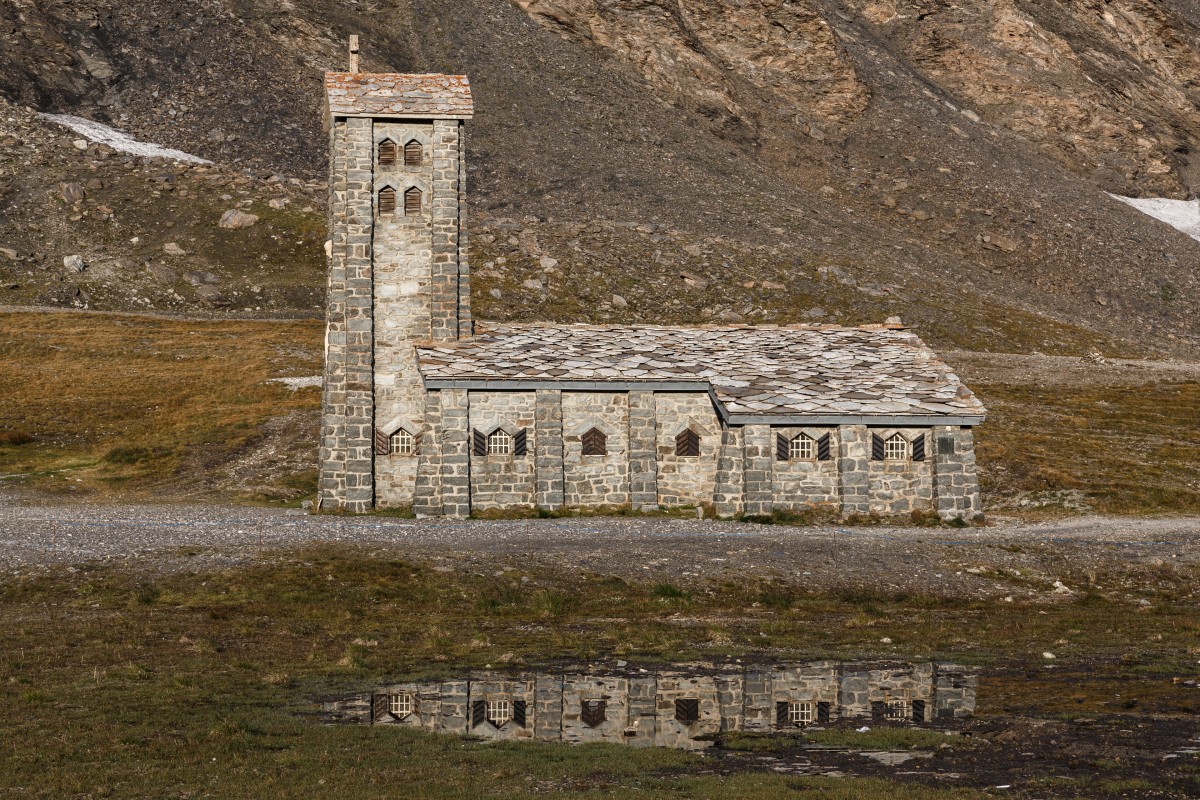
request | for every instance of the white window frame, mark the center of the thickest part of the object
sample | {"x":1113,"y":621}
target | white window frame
{"x":499,"y":711}
{"x":896,"y":448}
{"x":401,"y":705}
{"x":499,"y":443}
{"x":801,"y":712}
{"x":802,"y":447}
{"x":402,"y":443}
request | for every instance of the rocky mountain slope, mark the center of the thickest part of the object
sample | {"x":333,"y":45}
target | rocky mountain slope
{"x":641,"y":160}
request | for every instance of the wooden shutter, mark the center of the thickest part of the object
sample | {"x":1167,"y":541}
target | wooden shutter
{"x":412,"y":202}
{"x":687,"y":443}
{"x":918,"y":708}
{"x":595,"y":443}
{"x":878,"y":710}
{"x":519,"y":712}
{"x":823,"y":713}
{"x":479,"y":443}
{"x":877,"y":451}
{"x":918,"y":447}
{"x":382,"y":442}
{"x":520,"y":443}
{"x":379,"y":707}
{"x":387,"y":201}
{"x":592,"y":712}
{"x":781,"y":714}
{"x":387,"y":153}
{"x":478,"y":712}
{"x":412,"y":154}
{"x":782,"y":447}
{"x":687,"y":711}
{"x":823,"y":448}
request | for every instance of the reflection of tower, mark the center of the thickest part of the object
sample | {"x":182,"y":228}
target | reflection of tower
{"x":397,"y":271}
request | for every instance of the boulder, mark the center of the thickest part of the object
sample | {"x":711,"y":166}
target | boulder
{"x":173,"y":249}
{"x":71,"y":193}
{"x":74,"y":263}
{"x":234,"y":219}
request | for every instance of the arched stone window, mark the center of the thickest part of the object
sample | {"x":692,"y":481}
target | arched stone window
{"x":687,"y":443}
{"x":595,"y":443}
{"x":499,"y":443}
{"x":387,"y":153}
{"x":387,"y":201}
{"x":402,"y":443}
{"x":499,"y":711}
{"x":802,"y":448}
{"x":895,"y":448}
{"x":412,"y":202}
{"x":413,"y":154}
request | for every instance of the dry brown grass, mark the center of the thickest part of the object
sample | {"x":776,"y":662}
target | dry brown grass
{"x":125,"y":404}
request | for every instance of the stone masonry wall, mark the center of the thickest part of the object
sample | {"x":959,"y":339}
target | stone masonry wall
{"x":955,"y":482}
{"x":613,"y":691}
{"x":685,"y":480}
{"x":503,"y":481}
{"x":346,"y":457}
{"x":802,"y":484}
{"x":899,"y":487}
{"x":595,"y":481}
{"x":403,"y":252}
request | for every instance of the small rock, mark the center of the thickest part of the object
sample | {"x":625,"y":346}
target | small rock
{"x":173,"y":249}
{"x":694,"y":280}
{"x":530,"y":283}
{"x":80,"y":144}
{"x":233,"y":219}
{"x":1049,"y":656}
{"x":775,"y":285}
{"x":1061,"y":588}
{"x":210,"y":294}
{"x":74,"y":263}
{"x":71,"y":193}
{"x":619,"y":301}
{"x":8,"y":253}
{"x":547,"y":262}
{"x":496,"y":293}
{"x":162,"y":273}
{"x":886,"y":640}
{"x":276,"y":203}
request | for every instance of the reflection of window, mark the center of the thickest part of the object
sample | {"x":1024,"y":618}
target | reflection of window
{"x":687,"y":711}
{"x":499,"y":712}
{"x":687,"y":443}
{"x":895,"y":448}
{"x":800,"y":713}
{"x":592,"y":712}
{"x":412,"y":154}
{"x":802,"y":448}
{"x":400,"y":705}
{"x":595,"y":443}
{"x":899,"y":710}
{"x":401,"y":443}
{"x":499,"y":443}
{"x":387,"y":153}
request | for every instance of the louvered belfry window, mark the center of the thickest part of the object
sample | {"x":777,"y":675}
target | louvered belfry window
{"x":687,"y":710}
{"x":595,"y":443}
{"x":592,"y":712}
{"x":387,"y":201}
{"x":387,"y":153}
{"x":895,"y":448}
{"x":412,"y":202}
{"x":412,"y":154}
{"x":687,"y":443}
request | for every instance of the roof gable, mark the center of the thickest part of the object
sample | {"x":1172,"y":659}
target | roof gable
{"x":375,"y":94}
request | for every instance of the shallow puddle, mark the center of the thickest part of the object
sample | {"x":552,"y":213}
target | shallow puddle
{"x":685,"y":707}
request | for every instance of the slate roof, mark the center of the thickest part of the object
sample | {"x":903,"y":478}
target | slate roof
{"x":368,"y":94}
{"x":773,"y":372}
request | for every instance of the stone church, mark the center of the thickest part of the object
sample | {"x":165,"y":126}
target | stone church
{"x":426,"y":406}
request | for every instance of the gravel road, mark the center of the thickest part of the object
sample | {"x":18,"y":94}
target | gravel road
{"x":963,"y":562}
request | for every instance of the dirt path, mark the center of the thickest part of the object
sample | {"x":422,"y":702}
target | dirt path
{"x":1010,"y":559}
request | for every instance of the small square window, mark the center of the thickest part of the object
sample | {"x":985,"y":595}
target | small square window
{"x":499,"y":443}
{"x":895,"y":448}
{"x":401,"y":443}
{"x":802,"y":448}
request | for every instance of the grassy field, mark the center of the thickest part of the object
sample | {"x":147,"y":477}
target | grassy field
{"x":120,"y":684}
{"x":112,"y":406}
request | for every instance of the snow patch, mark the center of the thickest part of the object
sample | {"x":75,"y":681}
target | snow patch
{"x":1182,"y":215}
{"x":117,"y":140}
{"x":297,"y":383}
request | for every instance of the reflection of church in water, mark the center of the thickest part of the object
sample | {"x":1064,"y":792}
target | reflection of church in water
{"x":668,"y":708}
